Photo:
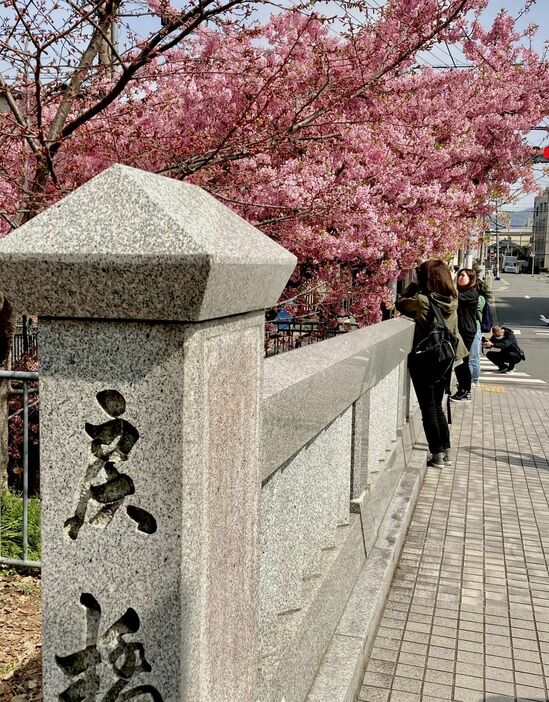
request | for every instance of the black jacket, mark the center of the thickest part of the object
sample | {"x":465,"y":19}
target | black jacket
{"x":508,"y":341}
{"x":467,"y":315}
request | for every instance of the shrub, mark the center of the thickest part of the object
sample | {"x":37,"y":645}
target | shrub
{"x":11,"y":527}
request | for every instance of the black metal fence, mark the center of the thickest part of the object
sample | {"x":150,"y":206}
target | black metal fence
{"x":23,"y":343}
{"x":288,"y":334}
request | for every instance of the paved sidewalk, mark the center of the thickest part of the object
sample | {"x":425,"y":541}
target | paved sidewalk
{"x":467,"y":617}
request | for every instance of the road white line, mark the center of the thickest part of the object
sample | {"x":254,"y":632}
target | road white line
{"x":505,"y":378}
{"x":515,"y":373}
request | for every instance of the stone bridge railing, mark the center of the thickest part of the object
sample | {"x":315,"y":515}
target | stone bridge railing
{"x":217,"y":527}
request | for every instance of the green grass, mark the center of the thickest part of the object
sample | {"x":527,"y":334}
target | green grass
{"x":7,"y":669}
{"x":26,"y":588}
{"x":11,"y":527}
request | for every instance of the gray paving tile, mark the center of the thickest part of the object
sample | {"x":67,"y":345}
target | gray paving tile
{"x":475,"y":670}
{"x":402,"y":696}
{"x":500,"y":687}
{"x":469,"y":682}
{"x":383,"y":642}
{"x":407,"y":684}
{"x":477,"y":553}
{"x":384,"y":654}
{"x":380,"y":666}
{"x":529,"y":679}
{"x":377,"y":679}
{"x":413,"y":647}
{"x":437,"y":690}
{"x":373,"y":694}
{"x":531,"y":693}
{"x":409,"y":671}
{"x":412,"y":659}
{"x":443,"y":677}
{"x":465,"y":695}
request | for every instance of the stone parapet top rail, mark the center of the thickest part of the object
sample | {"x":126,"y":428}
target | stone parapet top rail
{"x":306,"y":389}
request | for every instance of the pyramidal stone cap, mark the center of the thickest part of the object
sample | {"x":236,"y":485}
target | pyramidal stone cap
{"x":133,"y":245}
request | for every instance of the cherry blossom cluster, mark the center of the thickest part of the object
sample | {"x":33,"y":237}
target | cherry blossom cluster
{"x":335,"y":143}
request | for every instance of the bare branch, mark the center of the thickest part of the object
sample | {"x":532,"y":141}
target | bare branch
{"x":20,"y":119}
{"x":153,"y":48}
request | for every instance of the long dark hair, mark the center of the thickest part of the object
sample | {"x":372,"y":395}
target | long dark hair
{"x":434,"y":276}
{"x":471,"y":272}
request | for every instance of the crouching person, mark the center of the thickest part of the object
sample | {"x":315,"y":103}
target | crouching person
{"x":502,"y":349}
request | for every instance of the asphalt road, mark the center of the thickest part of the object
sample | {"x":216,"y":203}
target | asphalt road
{"x":520,"y":299}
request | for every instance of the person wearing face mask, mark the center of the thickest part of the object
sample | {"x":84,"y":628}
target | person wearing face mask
{"x":466,"y":283}
{"x":502,"y":349}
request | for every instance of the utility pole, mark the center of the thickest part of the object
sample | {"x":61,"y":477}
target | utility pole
{"x":496,"y":277}
{"x":114,"y":42}
{"x":107,"y":51}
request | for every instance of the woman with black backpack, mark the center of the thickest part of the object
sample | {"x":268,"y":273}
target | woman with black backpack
{"x":433,"y":295}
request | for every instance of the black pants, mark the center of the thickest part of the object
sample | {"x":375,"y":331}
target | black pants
{"x":463,"y":375}
{"x":504,"y":357}
{"x":432,"y":414}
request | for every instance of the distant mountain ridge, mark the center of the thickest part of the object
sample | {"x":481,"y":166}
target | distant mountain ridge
{"x":520,"y":218}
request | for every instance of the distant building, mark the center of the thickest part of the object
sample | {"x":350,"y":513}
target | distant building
{"x":541,"y":230}
{"x":509,"y":239}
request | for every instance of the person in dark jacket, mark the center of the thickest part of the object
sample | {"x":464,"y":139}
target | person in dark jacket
{"x":505,"y":352}
{"x":434,"y":279}
{"x":467,"y":324}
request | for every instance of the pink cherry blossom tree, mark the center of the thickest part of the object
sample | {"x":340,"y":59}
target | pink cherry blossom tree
{"x":332,"y":141}
{"x":320,"y":129}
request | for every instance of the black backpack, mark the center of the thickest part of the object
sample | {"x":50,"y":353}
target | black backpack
{"x":433,"y":356}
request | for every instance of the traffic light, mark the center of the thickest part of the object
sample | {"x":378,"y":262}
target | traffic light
{"x":543,"y":156}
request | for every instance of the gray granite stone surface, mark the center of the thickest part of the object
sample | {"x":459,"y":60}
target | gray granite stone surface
{"x":281,"y":534}
{"x":340,"y":673}
{"x":304,"y":513}
{"x":403,"y":393}
{"x":301,"y":507}
{"x":303,"y":653}
{"x":134,"y":245}
{"x":361,"y":424}
{"x":338,"y":667}
{"x":305,"y":389}
{"x":383,"y":416}
{"x":171,"y":561}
